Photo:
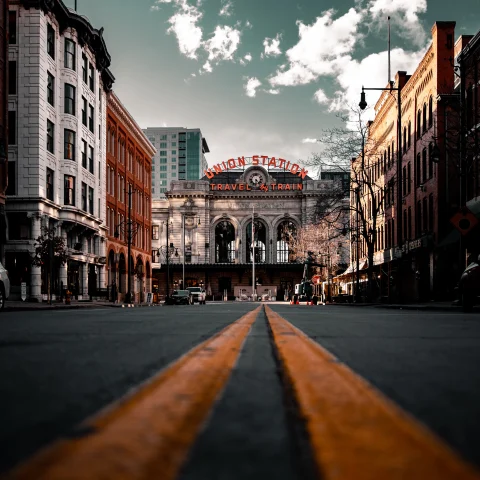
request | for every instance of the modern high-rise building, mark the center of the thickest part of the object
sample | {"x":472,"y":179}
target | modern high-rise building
{"x":180,"y":156}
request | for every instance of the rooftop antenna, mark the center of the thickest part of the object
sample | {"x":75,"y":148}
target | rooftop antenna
{"x":389,"y":67}
{"x":75,"y":5}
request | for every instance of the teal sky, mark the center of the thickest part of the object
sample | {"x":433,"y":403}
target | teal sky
{"x":260,"y":76}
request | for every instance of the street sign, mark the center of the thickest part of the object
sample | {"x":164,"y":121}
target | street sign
{"x":464,"y":220}
{"x":23,"y":291}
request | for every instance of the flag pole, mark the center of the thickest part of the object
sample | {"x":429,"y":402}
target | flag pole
{"x":254,"y":289}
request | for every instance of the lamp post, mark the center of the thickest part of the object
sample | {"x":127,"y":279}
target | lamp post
{"x":363,"y":105}
{"x":183,"y":241}
{"x":131,"y":233}
{"x":167,"y":250}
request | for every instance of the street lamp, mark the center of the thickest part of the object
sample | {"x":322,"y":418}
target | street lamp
{"x":363,"y":105}
{"x":167,"y":251}
{"x":131,"y":233}
{"x":193,"y":217}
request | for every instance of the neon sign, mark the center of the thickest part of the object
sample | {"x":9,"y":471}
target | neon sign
{"x":265,"y":160}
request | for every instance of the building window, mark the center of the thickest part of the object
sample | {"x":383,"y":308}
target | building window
{"x":84,"y":197}
{"x":12,"y":27}
{"x":90,"y":200}
{"x":409,"y":226}
{"x":84,"y":68}
{"x":84,"y":154}
{"x":12,"y":78}
{"x":84,"y":111}
{"x":425,"y":214}
{"x":430,"y":111}
{"x":50,"y":89}
{"x":418,"y":170}
{"x":430,"y":160}
{"x":50,"y":137}
{"x":163,"y":137}
{"x":404,"y":181}
{"x":430,"y":212}
{"x":90,"y":159}
{"x":419,"y":124}
{"x":69,"y":190}
{"x":49,"y":184}
{"x":409,"y":177}
{"x":69,"y":144}
{"x":69,"y":99}
{"x":409,"y":134}
{"x":91,"y":77}
{"x":418,"y":219}
{"x":12,"y":127}
{"x":424,"y":165}
{"x":70,"y":54}
{"x":424,"y":117}
{"x":163,"y":153}
{"x":51,"y":41}
{"x":12,"y":179}
{"x":91,"y":115}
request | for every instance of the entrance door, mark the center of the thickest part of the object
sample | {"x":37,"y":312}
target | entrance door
{"x":73,"y":278}
{"x":225,"y":283}
{"x":92,"y":280}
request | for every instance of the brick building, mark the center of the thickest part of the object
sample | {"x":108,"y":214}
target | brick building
{"x":417,"y":197}
{"x":128,"y":169}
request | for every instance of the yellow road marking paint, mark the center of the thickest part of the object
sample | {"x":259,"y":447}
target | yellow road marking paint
{"x":355,"y":431}
{"x":148,"y":435}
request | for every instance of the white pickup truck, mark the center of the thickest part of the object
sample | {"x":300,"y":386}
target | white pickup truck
{"x":198,"y":294}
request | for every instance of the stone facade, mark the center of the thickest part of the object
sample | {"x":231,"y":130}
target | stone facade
{"x":217,"y":231}
{"x":57,"y":169}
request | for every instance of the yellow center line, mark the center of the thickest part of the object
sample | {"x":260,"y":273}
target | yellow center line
{"x":148,"y":434}
{"x":354,"y":430}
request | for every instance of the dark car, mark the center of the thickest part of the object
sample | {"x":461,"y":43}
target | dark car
{"x":469,"y":286}
{"x":179,"y":297}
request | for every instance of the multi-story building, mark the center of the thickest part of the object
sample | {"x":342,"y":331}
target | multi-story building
{"x":59,"y":78}
{"x":180,"y":156}
{"x":4,"y":90}
{"x":129,"y":197}
{"x":414,"y":180}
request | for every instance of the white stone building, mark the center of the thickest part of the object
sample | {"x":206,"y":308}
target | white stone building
{"x":57,"y":163}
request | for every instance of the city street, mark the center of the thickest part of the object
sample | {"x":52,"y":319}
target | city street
{"x":59,"y":368}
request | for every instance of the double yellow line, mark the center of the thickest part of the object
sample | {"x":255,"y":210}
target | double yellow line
{"x":354,"y":431}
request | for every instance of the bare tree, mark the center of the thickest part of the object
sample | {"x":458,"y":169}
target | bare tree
{"x":369,"y":162}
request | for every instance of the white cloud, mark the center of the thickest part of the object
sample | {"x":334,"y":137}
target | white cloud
{"x":371,"y":72}
{"x":403,"y":14}
{"x":272,"y":46}
{"x":207,"y":67}
{"x":273,"y":91}
{"x":251,"y":86}
{"x":319,"y":48}
{"x":309,"y":140}
{"x":223,"y":44}
{"x":320,"y":97}
{"x":248,"y":24}
{"x":226,"y":10}
{"x":246,"y":59}
{"x":155,"y":8}
{"x":184,"y":26}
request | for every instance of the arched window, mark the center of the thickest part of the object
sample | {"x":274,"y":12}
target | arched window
{"x":409,"y":134}
{"x":404,"y":139}
{"x":430,"y":111}
{"x":419,"y":124}
{"x":388,"y":157}
{"x":424,"y":117}
{"x":224,"y":242}
{"x":260,"y":236}
{"x":286,"y":231}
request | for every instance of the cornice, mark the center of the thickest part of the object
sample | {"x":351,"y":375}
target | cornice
{"x":117,"y":107}
{"x":87,"y":35}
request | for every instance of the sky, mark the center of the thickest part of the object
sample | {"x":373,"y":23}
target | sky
{"x":262,"y":77}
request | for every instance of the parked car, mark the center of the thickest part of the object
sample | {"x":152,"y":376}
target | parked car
{"x":179,"y":297}
{"x":4,"y":286}
{"x":198,"y":294}
{"x":469,"y":286}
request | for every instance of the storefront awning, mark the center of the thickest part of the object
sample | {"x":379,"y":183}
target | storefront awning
{"x":352,"y":268}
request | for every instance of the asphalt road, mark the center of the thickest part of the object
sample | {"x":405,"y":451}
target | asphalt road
{"x":58,"y":368}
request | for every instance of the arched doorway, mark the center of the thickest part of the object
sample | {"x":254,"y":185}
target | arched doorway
{"x":112,"y":268}
{"x":224,"y":242}
{"x":260,"y":232}
{"x":286,"y":232}
{"x":139,"y":280}
{"x":148,"y":274}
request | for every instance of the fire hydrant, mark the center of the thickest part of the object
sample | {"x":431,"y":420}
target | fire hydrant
{"x":68,"y":296}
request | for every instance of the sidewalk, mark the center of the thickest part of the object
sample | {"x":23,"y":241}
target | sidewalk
{"x":428,"y":306}
{"x":19,"y":306}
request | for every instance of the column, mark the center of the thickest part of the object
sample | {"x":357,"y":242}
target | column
{"x":63,"y":277}
{"x":36,"y":272}
{"x":84,"y":289}
{"x":102,"y":252}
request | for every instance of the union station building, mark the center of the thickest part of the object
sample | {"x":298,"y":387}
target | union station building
{"x":203,"y":228}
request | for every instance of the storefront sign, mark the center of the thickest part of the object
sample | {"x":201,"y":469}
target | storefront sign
{"x":265,"y":160}
{"x":242,"y":187}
